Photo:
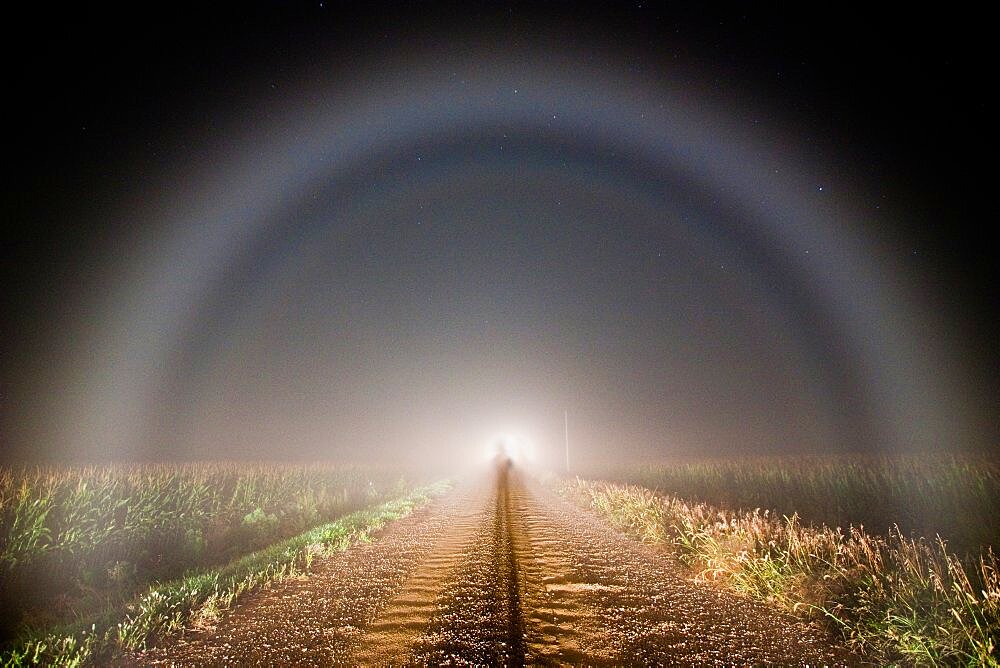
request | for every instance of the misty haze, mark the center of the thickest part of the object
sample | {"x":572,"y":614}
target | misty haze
{"x":412,"y":335}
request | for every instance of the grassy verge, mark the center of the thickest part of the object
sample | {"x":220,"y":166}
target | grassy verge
{"x":171,"y":606}
{"x":890,"y":597}
{"x":955,"y":496}
{"x":77,"y":540}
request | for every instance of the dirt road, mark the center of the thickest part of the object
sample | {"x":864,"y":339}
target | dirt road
{"x":499,"y":571}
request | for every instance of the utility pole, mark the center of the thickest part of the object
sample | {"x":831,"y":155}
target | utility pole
{"x":566,"y":417}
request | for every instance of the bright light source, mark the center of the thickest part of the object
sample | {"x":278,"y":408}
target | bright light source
{"x":515,"y":446}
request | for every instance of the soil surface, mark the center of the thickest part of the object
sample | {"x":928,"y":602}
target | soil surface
{"x":500,"y":572}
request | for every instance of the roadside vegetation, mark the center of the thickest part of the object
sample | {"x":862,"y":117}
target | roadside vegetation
{"x":956,"y":497}
{"x":108,"y":557}
{"x":891,"y":596}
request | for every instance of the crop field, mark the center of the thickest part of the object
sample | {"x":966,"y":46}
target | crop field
{"x":888,"y":560}
{"x":955,"y":497}
{"x":919,"y":581}
{"x":78,"y":545}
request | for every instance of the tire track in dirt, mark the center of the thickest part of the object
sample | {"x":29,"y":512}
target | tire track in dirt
{"x":499,"y":572}
{"x":479,"y":617}
{"x":559,"y":627}
{"x":319,"y":619}
{"x":617,"y":601}
{"x":399,"y":627}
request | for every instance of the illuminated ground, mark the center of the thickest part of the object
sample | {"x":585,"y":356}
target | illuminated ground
{"x":498,"y":571}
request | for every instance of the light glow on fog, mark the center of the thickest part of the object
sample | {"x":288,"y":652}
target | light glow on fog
{"x":262,"y":308}
{"x":519,"y":448}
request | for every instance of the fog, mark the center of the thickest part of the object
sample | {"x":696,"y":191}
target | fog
{"x":409,"y":252}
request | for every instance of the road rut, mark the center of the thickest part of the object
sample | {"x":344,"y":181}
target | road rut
{"x":498,"y":572}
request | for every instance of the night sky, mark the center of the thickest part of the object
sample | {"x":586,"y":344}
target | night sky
{"x":325,"y":230}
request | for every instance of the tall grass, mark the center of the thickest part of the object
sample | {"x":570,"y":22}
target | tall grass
{"x":164,"y":608}
{"x":891,"y":597}
{"x":955,"y":497}
{"x":76,"y":540}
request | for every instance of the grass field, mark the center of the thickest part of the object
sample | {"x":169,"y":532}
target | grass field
{"x":99,"y":561}
{"x":79,"y":544}
{"x":787,"y":531}
{"x":955,"y":497}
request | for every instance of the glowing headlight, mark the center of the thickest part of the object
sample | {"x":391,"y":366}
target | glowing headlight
{"x":516,"y":447}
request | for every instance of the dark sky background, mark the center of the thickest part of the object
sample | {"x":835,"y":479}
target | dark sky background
{"x":307,"y":230}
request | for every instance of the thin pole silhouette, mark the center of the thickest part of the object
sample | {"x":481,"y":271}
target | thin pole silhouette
{"x":566,"y":417}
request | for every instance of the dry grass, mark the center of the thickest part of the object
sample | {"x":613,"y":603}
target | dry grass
{"x":957,"y":497}
{"x":890,"y":597}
